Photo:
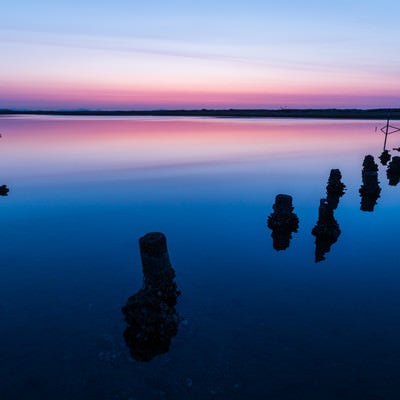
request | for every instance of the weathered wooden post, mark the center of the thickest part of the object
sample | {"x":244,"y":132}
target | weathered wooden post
{"x":283,"y":222}
{"x":151,"y":313}
{"x":326,"y":231}
{"x":370,"y":189}
{"x":335,"y":188}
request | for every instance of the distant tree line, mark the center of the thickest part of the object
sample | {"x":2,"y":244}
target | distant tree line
{"x":331,"y":113}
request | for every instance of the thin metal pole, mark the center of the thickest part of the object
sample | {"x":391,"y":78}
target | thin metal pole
{"x":386,"y":133}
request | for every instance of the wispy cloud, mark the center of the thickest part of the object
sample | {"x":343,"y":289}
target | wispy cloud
{"x":299,"y":55}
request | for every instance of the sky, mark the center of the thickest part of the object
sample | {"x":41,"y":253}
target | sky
{"x":207,"y":54}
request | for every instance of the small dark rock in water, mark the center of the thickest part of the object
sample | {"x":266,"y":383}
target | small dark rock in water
{"x":4,"y":190}
{"x":385,"y":157}
{"x":370,"y":189}
{"x":151,"y":313}
{"x":393,"y":171}
{"x":335,"y":188}
{"x":283,"y":222}
{"x":326,"y":231}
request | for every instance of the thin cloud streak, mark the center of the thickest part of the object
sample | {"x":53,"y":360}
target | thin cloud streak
{"x":266,"y":56}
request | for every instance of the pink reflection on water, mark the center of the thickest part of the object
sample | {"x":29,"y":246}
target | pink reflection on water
{"x":69,"y":145}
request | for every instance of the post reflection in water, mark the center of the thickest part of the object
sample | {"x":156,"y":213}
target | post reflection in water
{"x":393,"y":170}
{"x":318,"y":335}
{"x":326,"y":231}
{"x":283,"y":222}
{"x":3,"y":188}
{"x":150,"y":313}
{"x":370,"y":189}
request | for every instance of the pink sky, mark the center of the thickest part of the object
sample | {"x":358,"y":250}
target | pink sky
{"x":187,"y":55}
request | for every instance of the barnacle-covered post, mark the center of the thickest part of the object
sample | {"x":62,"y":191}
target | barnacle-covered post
{"x":283,"y":222}
{"x":150,"y":313}
{"x":326,"y":231}
{"x":370,"y":189}
{"x":335,"y":188}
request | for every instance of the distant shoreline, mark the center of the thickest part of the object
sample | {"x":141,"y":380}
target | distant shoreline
{"x":331,"y":113}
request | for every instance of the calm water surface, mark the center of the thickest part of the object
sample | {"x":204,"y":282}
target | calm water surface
{"x":258,"y":323}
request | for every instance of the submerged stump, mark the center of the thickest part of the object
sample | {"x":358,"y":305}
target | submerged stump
{"x":369,"y":163}
{"x":283,"y":222}
{"x":4,"y":190}
{"x":385,"y":157}
{"x":393,"y":171}
{"x":370,"y":189}
{"x":150,"y":313}
{"x":335,"y":188}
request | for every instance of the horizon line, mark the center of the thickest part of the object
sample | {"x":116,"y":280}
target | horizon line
{"x":333,"y":113}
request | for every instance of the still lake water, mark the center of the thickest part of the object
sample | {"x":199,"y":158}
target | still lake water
{"x":258,"y":323}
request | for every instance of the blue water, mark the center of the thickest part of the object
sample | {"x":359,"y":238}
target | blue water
{"x":258,"y":323}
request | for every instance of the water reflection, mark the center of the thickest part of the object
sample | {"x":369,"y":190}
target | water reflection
{"x":4,"y":190}
{"x":326,"y":231}
{"x":283,"y":222}
{"x":150,"y":313}
{"x":370,"y":189}
{"x":393,"y":170}
{"x":322,"y":326}
{"x":388,"y":129}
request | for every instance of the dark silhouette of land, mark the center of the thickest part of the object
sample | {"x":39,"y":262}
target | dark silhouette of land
{"x":330,"y":113}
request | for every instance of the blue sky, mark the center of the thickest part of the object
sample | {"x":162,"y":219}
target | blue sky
{"x":205,"y":53}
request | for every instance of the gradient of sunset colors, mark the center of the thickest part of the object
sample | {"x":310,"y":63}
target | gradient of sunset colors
{"x":207,"y":54}
{"x":40,"y":148}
